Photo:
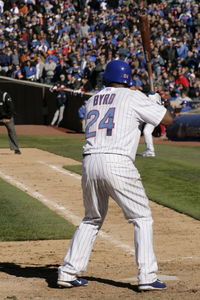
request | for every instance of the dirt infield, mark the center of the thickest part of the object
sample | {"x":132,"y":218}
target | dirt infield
{"x":28,"y":270}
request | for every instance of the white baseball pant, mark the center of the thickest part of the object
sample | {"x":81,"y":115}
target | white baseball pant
{"x":58,"y":116}
{"x":112,"y":175}
{"x":148,"y":138}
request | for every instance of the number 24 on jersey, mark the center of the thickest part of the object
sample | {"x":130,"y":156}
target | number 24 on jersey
{"x":107,"y":122}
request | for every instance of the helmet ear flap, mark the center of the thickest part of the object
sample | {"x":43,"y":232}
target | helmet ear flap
{"x":117,"y":71}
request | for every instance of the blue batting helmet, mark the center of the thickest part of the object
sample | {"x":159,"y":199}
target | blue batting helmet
{"x":117,"y":71}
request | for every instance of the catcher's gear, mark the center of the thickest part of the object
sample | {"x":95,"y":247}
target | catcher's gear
{"x":155,"y":97}
{"x":117,"y":71}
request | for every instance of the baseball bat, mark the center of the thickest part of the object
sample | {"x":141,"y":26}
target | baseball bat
{"x":145,"y":35}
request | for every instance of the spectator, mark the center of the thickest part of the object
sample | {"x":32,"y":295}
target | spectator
{"x":61,"y":68}
{"x":9,"y":73}
{"x":5,"y":60}
{"x":182,"y":49}
{"x":182,"y":80}
{"x":1,"y":6}
{"x":185,"y":106}
{"x":2,"y":72}
{"x":75,"y":83}
{"x":29,"y":71}
{"x":57,"y":30}
{"x":49,"y":68}
{"x":84,"y":29}
{"x":85,"y":85}
{"x":196,"y":95}
{"x":17,"y":73}
{"x":14,"y":10}
{"x":75,"y":70}
{"x":35,"y":43}
{"x":39,"y":69}
{"x":25,"y":55}
{"x":168,"y":106}
{"x":15,"y":57}
{"x":184,"y":96}
{"x":98,"y":71}
{"x":23,"y":9}
{"x":157,"y":63}
{"x":175,"y":94}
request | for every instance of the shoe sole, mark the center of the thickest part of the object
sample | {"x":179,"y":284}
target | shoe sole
{"x":150,"y":288}
{"x":68,"y":284}
{"x":143,"y":155}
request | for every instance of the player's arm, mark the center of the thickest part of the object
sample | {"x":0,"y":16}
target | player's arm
{"x":9,"y":107}
{"x":167,"y":119}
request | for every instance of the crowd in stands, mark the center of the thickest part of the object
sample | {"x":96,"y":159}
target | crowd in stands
{"x":42,"y":39}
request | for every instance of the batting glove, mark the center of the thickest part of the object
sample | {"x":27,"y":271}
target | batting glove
{"x":155,"y":97}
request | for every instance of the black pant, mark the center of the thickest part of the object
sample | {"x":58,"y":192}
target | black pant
{"x":12,"y":137}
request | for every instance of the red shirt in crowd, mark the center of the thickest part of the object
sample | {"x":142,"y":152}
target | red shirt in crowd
{"x":182,"y":80}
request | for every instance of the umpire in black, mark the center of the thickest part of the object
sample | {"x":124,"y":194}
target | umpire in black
{"x":7,"y":119}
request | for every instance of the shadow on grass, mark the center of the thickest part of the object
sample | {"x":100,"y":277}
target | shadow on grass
{"x":49,"y":273}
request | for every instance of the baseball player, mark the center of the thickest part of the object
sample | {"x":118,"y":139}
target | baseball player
{"x":81,"y":114}
{"x":148,"y":139}
{"x":61,"y":99}
{"x":148,"y":128}
{"x":114,"y":117}
{"x":7,"y":119}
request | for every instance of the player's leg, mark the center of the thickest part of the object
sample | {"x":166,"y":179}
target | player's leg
{"x":12,"y":136}
{"x":55,"y":117}
{"x":96,"y":205}
{"x":61,"y":113}
{"x":77,"y":256}
{"x":127,"y":190}
{"x":148,"y":138}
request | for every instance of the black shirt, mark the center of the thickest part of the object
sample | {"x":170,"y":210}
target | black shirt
{"x":6,"y":106}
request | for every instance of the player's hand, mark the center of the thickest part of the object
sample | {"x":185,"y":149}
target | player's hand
{"x":155,"y":97}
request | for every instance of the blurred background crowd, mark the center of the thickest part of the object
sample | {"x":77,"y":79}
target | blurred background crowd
{"x":43,"y":39}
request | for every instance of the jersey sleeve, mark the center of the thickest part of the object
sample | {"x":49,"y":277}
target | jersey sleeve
{"x":146,"y":110}
{"x":9,"y":106}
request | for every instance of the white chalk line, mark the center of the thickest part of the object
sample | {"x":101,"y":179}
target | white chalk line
{"x":180,"y":259}
{"x":105,"y":235}
{"x":161,"y":277}
{"x":66,"y":212}
{"x":76,"y":220}
{"x":125,"y":247}
{"x":60,"y":170}
{"x":40,"y":197}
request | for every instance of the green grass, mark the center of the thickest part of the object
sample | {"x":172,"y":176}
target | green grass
{"x":172,"y":179}
{"x":24,"y":218}
{"x":176,"y":186}
{"x":69,"y":146}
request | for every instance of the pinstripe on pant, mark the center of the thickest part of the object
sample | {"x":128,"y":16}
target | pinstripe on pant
{"x":112,"y":175}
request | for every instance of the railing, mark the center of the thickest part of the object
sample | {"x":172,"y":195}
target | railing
{"x":35,"y":104}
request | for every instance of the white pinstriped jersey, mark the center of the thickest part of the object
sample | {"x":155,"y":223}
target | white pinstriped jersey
{"x":114,"y":117}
